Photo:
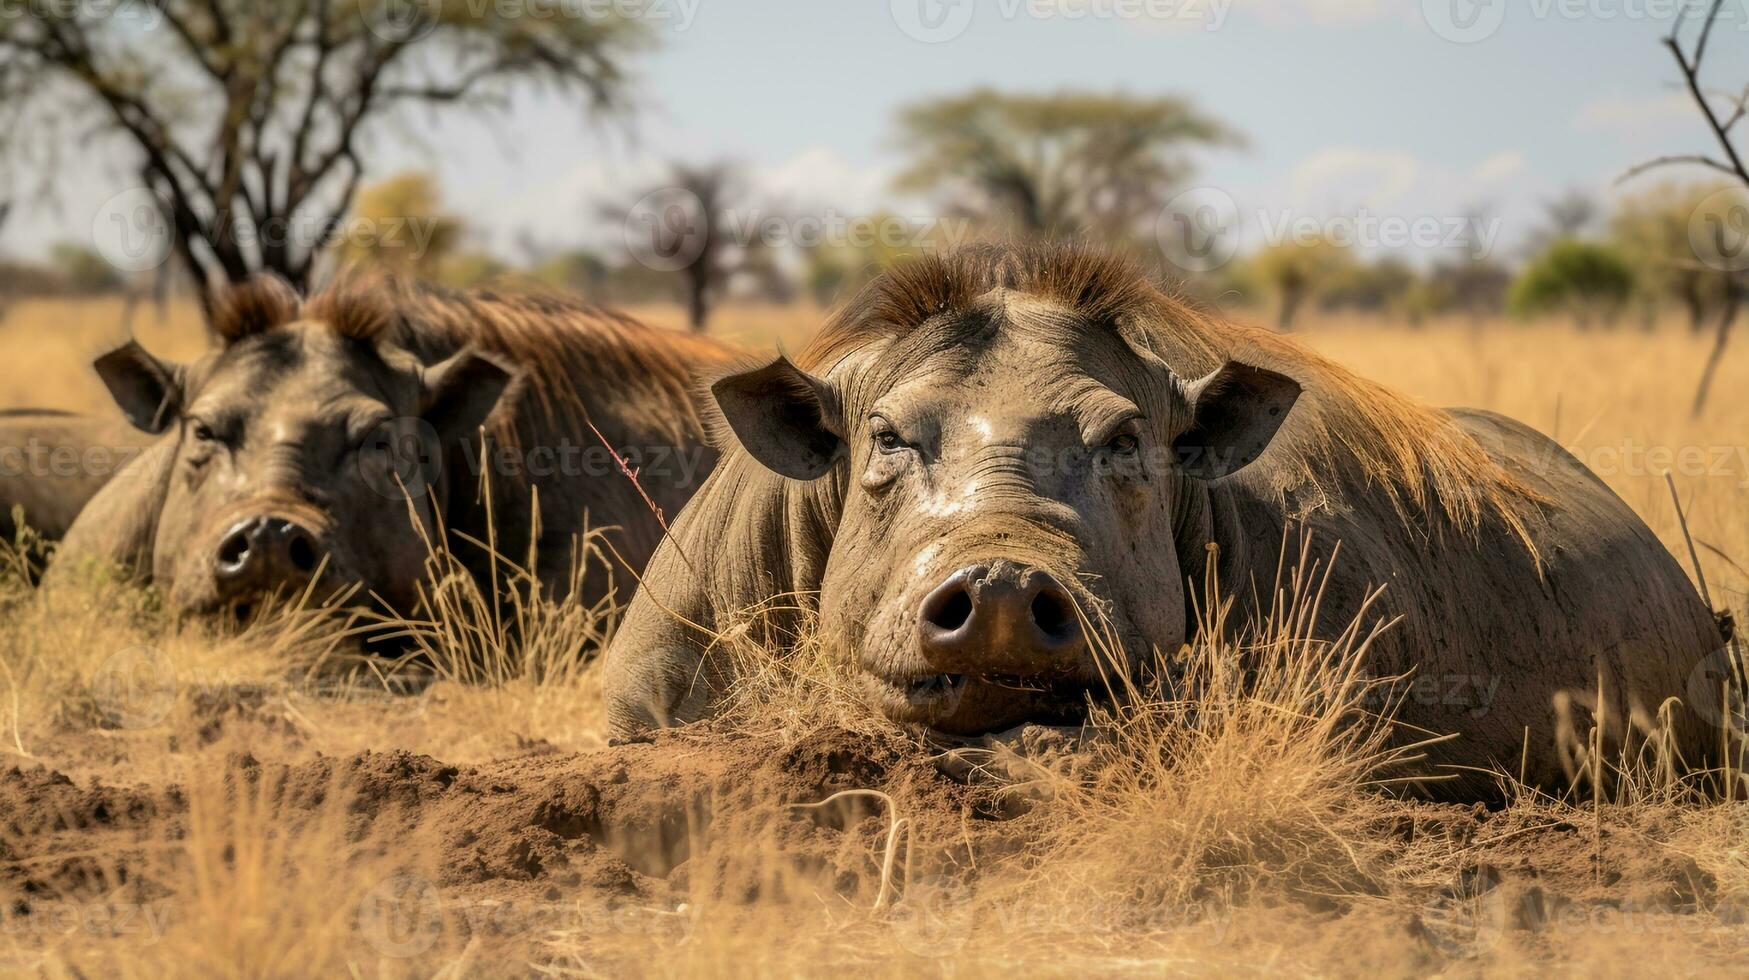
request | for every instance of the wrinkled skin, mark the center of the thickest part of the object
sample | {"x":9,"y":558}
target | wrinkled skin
{"x":52,"y":463}
{"x":304,"y":459}
{"x":1000,"y":452}
{"x":908,"y":469}
{"x":296,"y":425}
{"x":1025,"y":453}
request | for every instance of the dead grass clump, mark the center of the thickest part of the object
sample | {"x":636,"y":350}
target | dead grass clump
{"x":511,"y":628}
{"x":1237,"y":772}
{"x":261,"y":883}
{"x":102,"y":654}
{"x":786,"y":682}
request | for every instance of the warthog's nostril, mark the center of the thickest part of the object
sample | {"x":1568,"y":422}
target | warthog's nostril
{"x":234,"y":550}
{"x":301,"y":551}
{"x":263,"y":553}
{"x":1000,"y":619}
{"x":1052,"y":614}
{"x":948,"y":609}
{"x":953,"y":611}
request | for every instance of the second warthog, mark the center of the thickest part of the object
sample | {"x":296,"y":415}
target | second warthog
{"x":992,"y":459}
{"x":328,"y":440}
{"x":52,"y":462}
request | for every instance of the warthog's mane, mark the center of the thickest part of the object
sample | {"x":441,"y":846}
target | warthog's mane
{"x":1350,"y":434}
{"x":557,"y":341}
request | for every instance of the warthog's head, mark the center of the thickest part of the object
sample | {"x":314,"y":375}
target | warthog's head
{"x":304,"y":448}
{"x":1017,"y":479}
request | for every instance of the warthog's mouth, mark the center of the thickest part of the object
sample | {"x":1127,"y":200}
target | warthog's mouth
{"x":331,"y":595}
{"x":966,"y":704}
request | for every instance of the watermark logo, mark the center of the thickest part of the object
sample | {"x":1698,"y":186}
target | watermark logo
{"x":401,"y":459}
{"x":932,"y":21}
{"x":402,"y":916}
{"x":1198,"y":230}
{"x":131,"y":232}
{"x":1718,"y":230}
{"x":1472,"y":915}
{"x":1716,"y":691}
{"x":666,"y":230}
{"x":1464,"y":21}
{"x":935,"y":918}
{"x":145,"y":15}
{"x":401,"y":21}
{"x":134,"y":688}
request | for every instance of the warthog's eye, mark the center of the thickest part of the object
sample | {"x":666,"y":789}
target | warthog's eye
{"x":1124,"y":444}
{"x":202,"y":432}
{"x":888,"y":441}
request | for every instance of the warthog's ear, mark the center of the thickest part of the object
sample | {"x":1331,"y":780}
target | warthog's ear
{"x":784,"y":417}
{"x":1235,"y":413}
{"x":148,"y":390}
{"x":461,"y":392}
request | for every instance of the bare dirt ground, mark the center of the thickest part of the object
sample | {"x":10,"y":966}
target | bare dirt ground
{"x":176,"y":800}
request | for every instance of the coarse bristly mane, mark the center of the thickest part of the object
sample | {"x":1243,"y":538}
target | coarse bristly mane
{"x":1364,"y":432}
{"x":558,"y":341}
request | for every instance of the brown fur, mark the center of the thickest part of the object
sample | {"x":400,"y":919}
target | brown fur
{"x":555,"y":338}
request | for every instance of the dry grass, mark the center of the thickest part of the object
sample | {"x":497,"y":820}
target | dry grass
{"x":1242,"y":826}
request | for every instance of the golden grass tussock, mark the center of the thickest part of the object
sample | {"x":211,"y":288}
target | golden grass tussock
{"x":268,"y":800}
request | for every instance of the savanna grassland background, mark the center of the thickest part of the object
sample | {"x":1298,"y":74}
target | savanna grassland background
{"x":178,"y":798}
{"x":265,"y":804}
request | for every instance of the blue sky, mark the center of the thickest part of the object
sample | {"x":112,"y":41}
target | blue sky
{"x":1349,"y":105}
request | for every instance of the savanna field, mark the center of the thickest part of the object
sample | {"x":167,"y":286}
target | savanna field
{"x":175,"y":800}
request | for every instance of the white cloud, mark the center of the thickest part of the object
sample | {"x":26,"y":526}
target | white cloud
{"x":1634,"y":115}
{"x":1498,"y":167}
{"x":1347,"y":175}
{"x":818,"y":177}
{"x":1325,"y":11}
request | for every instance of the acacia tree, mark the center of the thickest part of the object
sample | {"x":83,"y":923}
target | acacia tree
{"x":684,"y":227}
{"x":1655,"y":230}
{"x":1587,"y":280}
{"x":1063,"y":164}
{"x":1298,"y":270}
{"x":1570,"y":215}
{"x":1720,"y":244}
{"x":413,"y":234}
{"x":249,"y":119}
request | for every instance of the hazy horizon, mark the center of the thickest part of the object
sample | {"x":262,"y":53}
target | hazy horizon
{"x":1358,"y":108}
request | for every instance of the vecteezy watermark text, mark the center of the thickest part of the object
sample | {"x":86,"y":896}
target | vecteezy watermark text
{"x":939,"y":21}
{"x":669,"y":228}
{"x":1202,"y":229}
{"x":1472,"y":21}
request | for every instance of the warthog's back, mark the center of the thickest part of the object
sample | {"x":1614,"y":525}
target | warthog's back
{"x":52,"y":462}
{"x":1511,"y":646}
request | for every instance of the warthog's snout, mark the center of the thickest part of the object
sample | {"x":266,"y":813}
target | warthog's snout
{"x":260,"y":554}
{"x":1000,"y":619}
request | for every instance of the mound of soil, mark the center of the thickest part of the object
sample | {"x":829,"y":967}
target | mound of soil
{"x":651,"y":826}
{"x":629,"y":820}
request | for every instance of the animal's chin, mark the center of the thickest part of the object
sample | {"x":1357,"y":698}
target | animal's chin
{"x":334,"y":593}
{"x":976,"y":704}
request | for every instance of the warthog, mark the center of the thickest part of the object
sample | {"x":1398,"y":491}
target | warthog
{"x":52,"y":462}
{"x":330,"y":439}
{"x":986,"y":451}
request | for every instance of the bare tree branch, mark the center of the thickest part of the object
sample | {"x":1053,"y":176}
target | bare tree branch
{"x":249,"y":117}
{"x":1690,"y":66}
{"x":1666,"y":161}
